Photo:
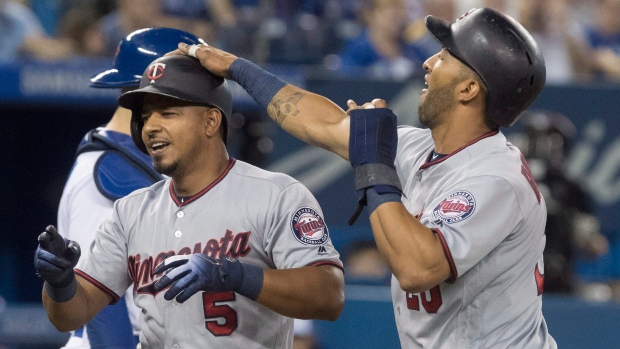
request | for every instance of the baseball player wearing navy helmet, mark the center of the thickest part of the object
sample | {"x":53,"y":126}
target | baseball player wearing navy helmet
{"x":221,"y":254}
{"x":107,"y":167}
{"x":453,"y":206}
{"x":136,"y":51}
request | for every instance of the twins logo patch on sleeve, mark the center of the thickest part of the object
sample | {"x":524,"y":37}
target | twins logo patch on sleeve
{"x":456,"y":207}
{"x":309,"y":227}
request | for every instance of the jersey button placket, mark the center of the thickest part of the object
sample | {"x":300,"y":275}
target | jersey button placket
{"x":178,"y":233}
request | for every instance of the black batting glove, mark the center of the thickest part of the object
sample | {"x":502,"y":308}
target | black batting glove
{"x":55,"y":258}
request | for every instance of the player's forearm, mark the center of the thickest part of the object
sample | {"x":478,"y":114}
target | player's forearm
{"x":74,"y":313}
{"x":67,"y":316}
{"x":312,"y":118}
{"x":413,"y":252}
{"x":304,"y":293}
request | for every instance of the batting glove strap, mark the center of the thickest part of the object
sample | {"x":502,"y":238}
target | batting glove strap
{"x":370,"y":175}
{"x":381,"y":179}
{"x":245,"y":279}
{"x":252,"y":281}
{"x":62,"y":294}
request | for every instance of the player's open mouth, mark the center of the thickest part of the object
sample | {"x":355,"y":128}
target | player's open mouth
{"x":158,"y":146}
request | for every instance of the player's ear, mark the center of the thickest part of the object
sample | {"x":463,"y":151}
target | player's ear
{"x":212,"y":121}
{"x":468,"y":89}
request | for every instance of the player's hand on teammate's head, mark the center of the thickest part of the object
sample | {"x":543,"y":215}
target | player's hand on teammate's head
{"x":55,"y":257}
{"x":215,"y":60}
{"x":375,"y":103}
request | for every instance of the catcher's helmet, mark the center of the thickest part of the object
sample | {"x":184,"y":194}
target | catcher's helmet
{"x":504,"y":55}
{"x":180,"y":77}
{"x":136,"y":51}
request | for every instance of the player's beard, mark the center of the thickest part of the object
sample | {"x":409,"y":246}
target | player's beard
{"x":165,"y":169}
{"x":436,"y":103}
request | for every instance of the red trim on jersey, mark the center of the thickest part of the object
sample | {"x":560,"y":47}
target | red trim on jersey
{"x":319,"y":263}
{"x":99,"y":285}
{"x":540,"y":280}
{"x":486,"y":135}
{"x":446,"y":251}
{"x":195,"y":197}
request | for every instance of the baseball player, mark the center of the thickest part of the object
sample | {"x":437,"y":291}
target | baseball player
{"x":454,"y":208}
{"x":221,"y":254}
{"x":108,"y":166}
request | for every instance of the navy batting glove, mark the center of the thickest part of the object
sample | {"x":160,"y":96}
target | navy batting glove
{"x":54,"y":261}
{"x":372,"y":150}
{"x":187,"y":275}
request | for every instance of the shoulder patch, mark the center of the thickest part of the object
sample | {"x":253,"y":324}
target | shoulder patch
{"x":456,"y":207}
{"x":309,"y":227}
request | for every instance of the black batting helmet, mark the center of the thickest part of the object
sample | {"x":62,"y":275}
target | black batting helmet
{"x":180,"y":77}
{"x":502,"y":53}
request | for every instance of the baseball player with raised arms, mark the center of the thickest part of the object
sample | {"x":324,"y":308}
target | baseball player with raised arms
{"x":453,"y":206}
{"x":107,"y":167}
{"x":221,"y":254}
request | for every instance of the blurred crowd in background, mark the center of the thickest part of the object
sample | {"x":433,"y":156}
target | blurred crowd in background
{"x":382,"y":38}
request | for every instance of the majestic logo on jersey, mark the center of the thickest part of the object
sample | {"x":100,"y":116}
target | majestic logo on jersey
{"x":141,"y":267}
{"x":456,"y":207}
{"x":308,"y":227}
{"x":156,"y":71}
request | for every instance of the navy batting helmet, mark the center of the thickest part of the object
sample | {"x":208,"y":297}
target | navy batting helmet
{"x":180,"y":77}
{"x":136,"y":51}
{"x":502,"y":53}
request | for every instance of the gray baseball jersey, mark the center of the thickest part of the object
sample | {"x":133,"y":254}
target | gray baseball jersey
{"x":262,"y":218}
{"x":484,"y":206}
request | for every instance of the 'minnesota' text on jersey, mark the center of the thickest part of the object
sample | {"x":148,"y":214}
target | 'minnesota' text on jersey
{"x":262,"y":218}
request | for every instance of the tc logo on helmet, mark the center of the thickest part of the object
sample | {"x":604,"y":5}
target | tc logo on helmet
{"x":156,"y":71}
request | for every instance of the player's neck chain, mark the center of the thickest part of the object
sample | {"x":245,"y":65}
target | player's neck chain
{"x":182,"y":199}
{"x":435,"y":156}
